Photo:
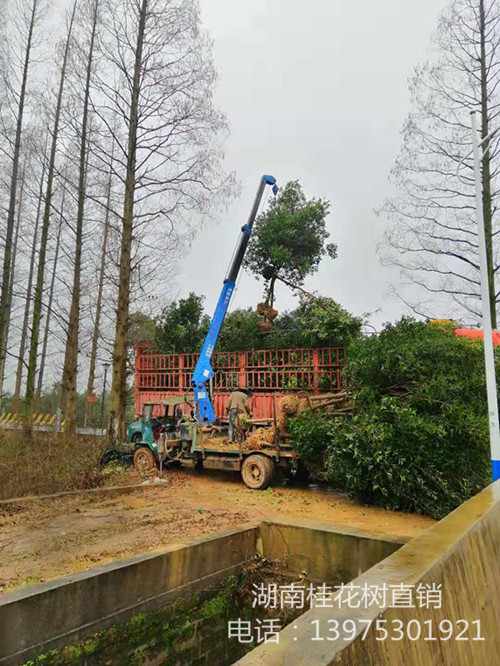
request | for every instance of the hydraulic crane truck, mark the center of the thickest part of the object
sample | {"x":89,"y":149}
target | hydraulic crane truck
{"x":190,"y":434}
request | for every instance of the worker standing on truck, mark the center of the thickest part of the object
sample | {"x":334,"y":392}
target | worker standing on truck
{"x":239,"y":405}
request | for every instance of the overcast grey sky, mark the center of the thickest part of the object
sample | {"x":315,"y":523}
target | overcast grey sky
{"x":314,"y":91}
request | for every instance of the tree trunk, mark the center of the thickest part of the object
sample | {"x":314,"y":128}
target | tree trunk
{"x":11,"y":213}
{"x":119,"y":385}
{"x":27,"y":305}
{"x":3,"y":357}
{"x":48,"y":316}
{"x":70,"y":370}
{"x":98,"y":305}
{"x":486,"y":171}
{"x":272,"y":285}
{"x":37,"y":304}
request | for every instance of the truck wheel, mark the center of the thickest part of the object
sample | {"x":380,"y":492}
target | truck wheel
{"x":144,"y":461}
{"x":110,"y":455}
{"x":257,"y":471}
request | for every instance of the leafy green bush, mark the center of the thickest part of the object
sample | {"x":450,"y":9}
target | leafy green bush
{"x":418,"y":439}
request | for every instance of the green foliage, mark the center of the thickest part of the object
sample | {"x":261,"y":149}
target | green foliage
{"x":241,"y":332}
{"x":419,"y":438}
{"x":320,"y":322}
{"x":182,"y":325}
{"x":217,"y":606}
{"x":289,"y":239}
{"x":141,"y":328}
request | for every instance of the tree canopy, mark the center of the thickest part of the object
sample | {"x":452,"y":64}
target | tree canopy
{"x":289,"y":239}
{"x":182,"y":325}
{"x":317,"y":322}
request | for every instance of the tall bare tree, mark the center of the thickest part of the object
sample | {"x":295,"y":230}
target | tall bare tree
{"x":69,"y":379}
{"x":51,"y":170}
{"x":25,"y":23}
{"x":29,"y":286}
{"x":432,"y":237}
{"x":50,"y":299}
{"x":168,"y":158}
{"x":96,"y":331}
{"x":12,"y":276}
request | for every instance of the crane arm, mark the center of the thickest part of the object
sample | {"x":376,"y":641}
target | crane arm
{"x":203,"y":372}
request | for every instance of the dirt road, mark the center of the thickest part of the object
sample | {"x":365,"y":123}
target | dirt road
{"x":41,"y":540}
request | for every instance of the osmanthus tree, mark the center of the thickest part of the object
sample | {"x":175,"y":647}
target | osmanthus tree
{"x":418,"y":436}
{"x":432,"y":235}
{"x":318,"y":321}
{"x":289,"y":239}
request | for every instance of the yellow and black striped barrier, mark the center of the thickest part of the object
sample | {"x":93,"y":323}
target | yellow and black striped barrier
{"x":44,"y":421}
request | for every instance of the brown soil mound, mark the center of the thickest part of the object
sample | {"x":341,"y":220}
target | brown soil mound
{"x":290,"y":405}
{"x":259,"y":438}
{"x":267,"y":311}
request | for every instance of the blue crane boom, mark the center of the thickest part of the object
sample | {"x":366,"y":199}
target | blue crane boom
{"x":203,"y":372}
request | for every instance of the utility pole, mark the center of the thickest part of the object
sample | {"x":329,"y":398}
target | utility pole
{"x":105,"y":366}
{"x":489,"y":355}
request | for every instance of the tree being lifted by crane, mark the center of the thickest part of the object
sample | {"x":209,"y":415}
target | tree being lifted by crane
{"x":288,"y":243}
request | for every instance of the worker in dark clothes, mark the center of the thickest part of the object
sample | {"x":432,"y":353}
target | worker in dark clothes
{"x":239,"y":405}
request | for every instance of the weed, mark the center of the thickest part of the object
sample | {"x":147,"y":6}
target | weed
{"x":48,"y":463}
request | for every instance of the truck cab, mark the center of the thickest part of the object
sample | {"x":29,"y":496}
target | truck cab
{"x":143,"y":428}
{"x":157,"y":417}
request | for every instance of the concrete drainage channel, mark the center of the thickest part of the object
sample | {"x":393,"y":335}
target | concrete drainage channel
{"x":174,"y":607}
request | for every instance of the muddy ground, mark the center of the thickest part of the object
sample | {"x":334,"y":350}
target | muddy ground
{"x":41,"y":540}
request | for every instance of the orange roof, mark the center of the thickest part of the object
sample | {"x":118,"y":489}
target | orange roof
{"x":477,"y":334}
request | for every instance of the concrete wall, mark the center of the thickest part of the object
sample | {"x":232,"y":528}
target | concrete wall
{"x":64,"y":611}
{"x":322,"y":552}
{"x":462,"y":553}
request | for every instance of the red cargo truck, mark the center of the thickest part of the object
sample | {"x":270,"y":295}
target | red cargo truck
{"x":167,"y":432}
{"x":269,"y":373}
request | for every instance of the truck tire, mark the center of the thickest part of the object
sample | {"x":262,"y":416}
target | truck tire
{"x":257,"y":471}
{"x":144,"y":461}
{"x":110,"y":455}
